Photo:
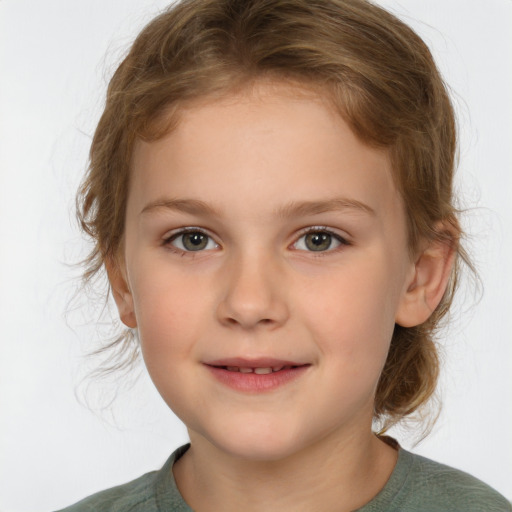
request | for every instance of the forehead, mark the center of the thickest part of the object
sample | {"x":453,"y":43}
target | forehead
{"x":284,"y":141}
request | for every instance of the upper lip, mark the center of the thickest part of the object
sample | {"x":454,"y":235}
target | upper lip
{"x":259,"y":362}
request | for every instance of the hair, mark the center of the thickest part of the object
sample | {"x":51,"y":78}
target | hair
{"x":374,"y":70}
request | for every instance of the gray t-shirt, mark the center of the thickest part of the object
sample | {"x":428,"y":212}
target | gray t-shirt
{"x":417,"y":484}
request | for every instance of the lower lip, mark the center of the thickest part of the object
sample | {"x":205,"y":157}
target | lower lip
{"x":255,"y":383}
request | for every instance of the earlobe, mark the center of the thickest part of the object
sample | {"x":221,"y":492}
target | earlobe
{"x":121,"y":293}
{"x":427,"y":282}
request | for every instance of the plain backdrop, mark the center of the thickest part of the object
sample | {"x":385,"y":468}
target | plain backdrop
{"x":56,"y":58}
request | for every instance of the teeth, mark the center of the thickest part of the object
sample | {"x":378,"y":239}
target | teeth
{"x":258,"y":371}
{"x":262,"y":371}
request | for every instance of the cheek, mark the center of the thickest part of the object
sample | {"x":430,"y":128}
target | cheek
{"x":168,"y":322}
{"x":167,"y":311}
{"x":353,"y":313}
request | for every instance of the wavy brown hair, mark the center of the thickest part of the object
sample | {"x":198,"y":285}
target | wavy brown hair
{"x":375,"y":71}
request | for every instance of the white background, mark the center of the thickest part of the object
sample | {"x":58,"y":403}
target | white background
{"x":55,"y":59}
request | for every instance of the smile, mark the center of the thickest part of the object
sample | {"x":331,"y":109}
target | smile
{"x":256,"y":377}
{"x":258,"y":371}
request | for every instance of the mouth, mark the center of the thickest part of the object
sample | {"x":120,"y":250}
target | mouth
{"x":260,"y":365}
{"x":256,"y":375}
{"x":259,"y":370}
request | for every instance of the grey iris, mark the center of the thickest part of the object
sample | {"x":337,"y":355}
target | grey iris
{"x":318,"y":241}
{"x":194,"y":241}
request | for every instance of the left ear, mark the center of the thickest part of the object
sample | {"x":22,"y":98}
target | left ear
{"x":428,"y":278}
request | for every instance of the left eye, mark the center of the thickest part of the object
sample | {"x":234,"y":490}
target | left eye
{"x":192,"y":241}
{"x":319,"y":241}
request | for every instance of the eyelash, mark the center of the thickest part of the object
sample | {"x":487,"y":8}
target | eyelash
{"x":323,"y":230}
{"x":167,"y":242}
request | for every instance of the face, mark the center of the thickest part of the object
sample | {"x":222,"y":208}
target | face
{"x":265,"y":263}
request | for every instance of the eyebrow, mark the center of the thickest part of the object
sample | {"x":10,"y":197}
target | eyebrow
{"x":292,"y":209}
{"x":304,"y":208}
{"x":192,"y":206}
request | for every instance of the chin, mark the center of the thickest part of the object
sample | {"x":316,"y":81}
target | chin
{"x":258,"y":451}
{"x":256,"y":444}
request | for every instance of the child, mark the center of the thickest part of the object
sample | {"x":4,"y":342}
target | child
{"x":270,"y":192}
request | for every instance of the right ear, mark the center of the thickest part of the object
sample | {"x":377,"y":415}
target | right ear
{"x":121,"y":292}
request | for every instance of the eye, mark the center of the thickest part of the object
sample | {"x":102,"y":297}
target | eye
{"x":191,"y":241}
{"x":319,"y":240}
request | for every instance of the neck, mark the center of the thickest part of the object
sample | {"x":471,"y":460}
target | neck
{"x":331,"y":475}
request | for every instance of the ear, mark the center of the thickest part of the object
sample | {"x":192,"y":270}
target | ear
{"x":428,"y":279}
{"x":121,"y":291}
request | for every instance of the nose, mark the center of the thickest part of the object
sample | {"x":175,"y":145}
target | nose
{"x":253,"y":294}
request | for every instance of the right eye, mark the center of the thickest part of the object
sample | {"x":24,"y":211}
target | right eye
{"x":191,"y":241}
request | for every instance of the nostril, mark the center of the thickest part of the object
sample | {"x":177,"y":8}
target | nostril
{"x":251,"y":309}
{"x":263,"y":321}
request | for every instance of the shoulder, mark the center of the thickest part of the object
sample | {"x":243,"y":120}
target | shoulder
{"x":137,"y":495}
{"x":436,"y":487}
{"x":151,"y":492}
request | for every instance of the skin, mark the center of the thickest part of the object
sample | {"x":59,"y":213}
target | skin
{"x":258,"y":290}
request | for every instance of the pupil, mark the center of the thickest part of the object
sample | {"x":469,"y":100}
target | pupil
{"x":318,"y":241}
{"x":194,"y":241}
